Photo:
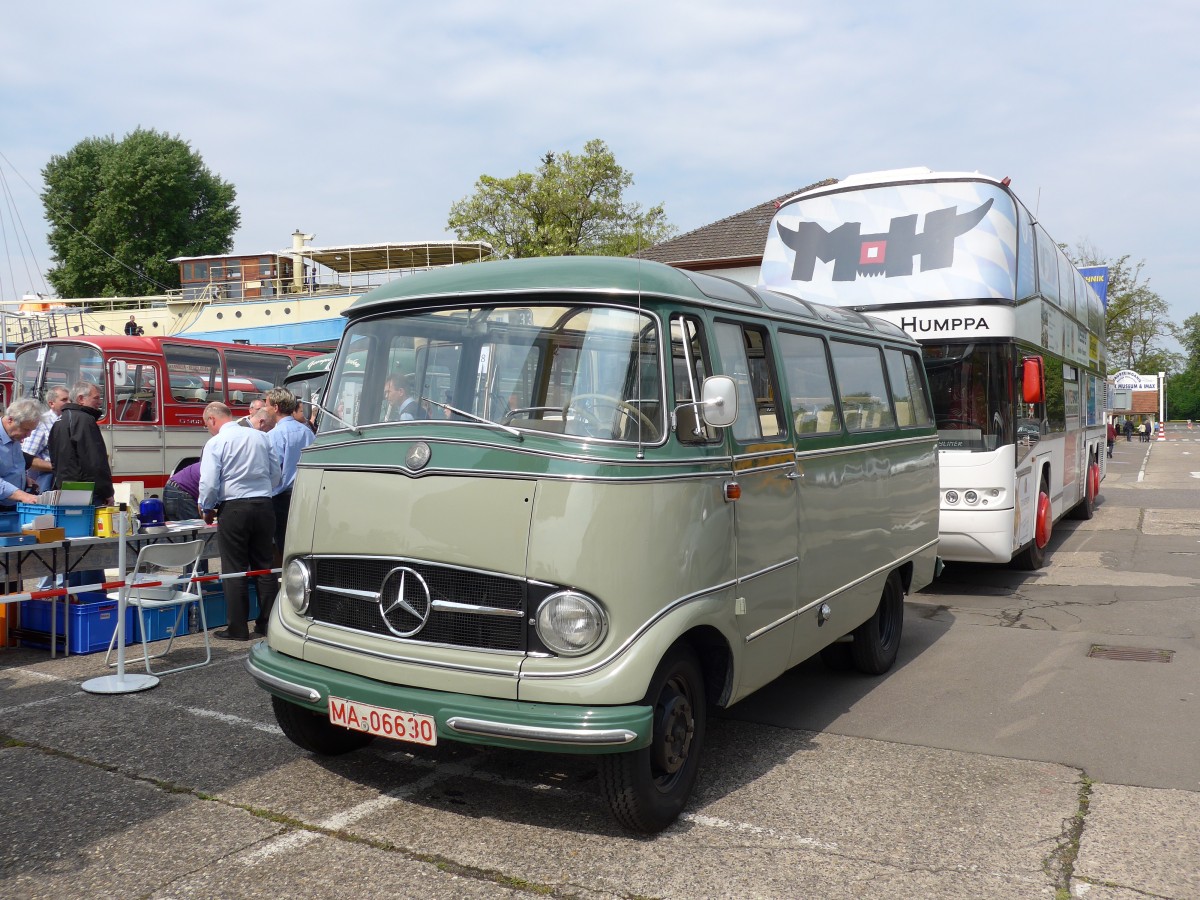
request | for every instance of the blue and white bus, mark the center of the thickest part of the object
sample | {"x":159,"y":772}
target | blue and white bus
{"x":1011,"y":334}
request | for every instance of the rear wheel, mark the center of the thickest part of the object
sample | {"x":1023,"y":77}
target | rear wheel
{"x":647,"y":789}
{"x":1086,"y":507}
{"x":877,"y":640}
{"x":314,"y":732}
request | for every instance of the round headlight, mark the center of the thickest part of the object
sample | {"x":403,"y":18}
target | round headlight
{"x":297,"y":584}
{"x":971,"y":497}
{"x":951,"y":496}
{"x":571,"y":623}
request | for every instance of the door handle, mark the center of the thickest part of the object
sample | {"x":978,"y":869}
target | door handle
{"x":795,"y":475}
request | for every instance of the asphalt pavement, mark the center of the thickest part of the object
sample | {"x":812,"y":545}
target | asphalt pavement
{"x":999,"y":759}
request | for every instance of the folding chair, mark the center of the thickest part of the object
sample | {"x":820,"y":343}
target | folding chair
{"x":156,"y":562}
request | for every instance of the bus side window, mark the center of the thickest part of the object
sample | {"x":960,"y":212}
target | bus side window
{"x":136,"y":397}
{"x":862,"y":388}
{"x":745,"y":352}
{"x":907,"y":389}
{"x":810,"y":389}
{"x":194,"y":373}
{"x":689,"y":366}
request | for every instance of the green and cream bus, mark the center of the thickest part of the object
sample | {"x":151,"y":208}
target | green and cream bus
{"x":628,"y":491}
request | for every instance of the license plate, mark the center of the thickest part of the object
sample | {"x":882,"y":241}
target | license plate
{"x":396,"y":724}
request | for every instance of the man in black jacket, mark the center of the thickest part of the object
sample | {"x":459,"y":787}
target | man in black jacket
{"x":77,"y":446}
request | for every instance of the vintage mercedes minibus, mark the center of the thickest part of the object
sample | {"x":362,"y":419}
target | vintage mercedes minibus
{"x":623,"y":492}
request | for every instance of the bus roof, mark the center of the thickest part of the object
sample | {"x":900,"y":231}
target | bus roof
{"x":307,"y":367}
{"x":120,"y":343}
{"x":604,"y":275}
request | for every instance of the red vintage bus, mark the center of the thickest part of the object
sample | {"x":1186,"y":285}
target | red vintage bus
{"x":155,"y":390}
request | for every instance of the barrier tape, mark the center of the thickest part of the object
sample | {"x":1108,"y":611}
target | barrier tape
{"x":106,"y":586}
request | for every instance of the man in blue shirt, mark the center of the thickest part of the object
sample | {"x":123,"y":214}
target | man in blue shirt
{"x":19,"y":421}
{"x":289,"y":437}
{"x":37,"y":445}
{"x":239,"y":471}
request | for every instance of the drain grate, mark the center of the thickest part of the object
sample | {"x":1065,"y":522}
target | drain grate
{"x":1134,"y":654}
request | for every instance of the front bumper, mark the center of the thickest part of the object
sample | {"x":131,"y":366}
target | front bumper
{"x":555,"y":727}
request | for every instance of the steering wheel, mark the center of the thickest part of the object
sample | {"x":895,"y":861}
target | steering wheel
{"x":580,"y":402}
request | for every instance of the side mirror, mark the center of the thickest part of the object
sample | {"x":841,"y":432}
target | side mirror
{"x":119,"y":372}
{"x":719,"y":404}
{"x":1032,"y":382}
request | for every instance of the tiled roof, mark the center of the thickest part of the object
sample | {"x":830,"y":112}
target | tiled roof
{"x":737,"y":238}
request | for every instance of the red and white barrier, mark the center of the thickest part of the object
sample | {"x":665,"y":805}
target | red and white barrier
{"x":106,"y":586}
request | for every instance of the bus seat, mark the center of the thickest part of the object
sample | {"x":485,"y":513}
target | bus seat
{"x":135,"y":411}
{"x":825,"y":421}
{"x":904,"y":413}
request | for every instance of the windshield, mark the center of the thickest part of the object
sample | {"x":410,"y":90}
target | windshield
{"x":972,"y":386}
{"x":65,"y":364}
{"x":584,"y":371}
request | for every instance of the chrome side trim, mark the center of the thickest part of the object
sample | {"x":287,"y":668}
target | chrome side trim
{"x":779,"y":565}
{"x":857,"y":581}
{"x":582,"y":737}
{"x":267,"y":682}
{"x":508,"y":475}
{"x":875,"y":445}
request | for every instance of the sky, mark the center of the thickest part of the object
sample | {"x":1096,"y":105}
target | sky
{"x":362,"y":122}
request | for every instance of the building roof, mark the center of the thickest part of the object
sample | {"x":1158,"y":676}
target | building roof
{"x":735,"y":240}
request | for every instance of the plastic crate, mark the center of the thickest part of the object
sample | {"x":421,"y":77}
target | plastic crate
{"x":76,"y":521}
{"x":92,"y":624}
{"x":216,"y":613}
{"x":159,"y":623}
{"x":10,"y":522}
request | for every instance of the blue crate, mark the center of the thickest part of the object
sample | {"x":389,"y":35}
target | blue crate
{"x":76,"y":521}
{"x":9,"y":522}
{"x":159,"y":623}
{"x":216,"y":613}
{"x":92,"y":624}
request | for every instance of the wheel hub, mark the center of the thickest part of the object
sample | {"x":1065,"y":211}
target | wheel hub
{"x":676,"y":725}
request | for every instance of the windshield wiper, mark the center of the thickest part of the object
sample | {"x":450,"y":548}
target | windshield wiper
{"x":333,"y":415}
{"x":474,"y":418}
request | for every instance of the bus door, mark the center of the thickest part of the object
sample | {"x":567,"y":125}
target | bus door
{"x":135,"y":419}
{"x":765,"y":514}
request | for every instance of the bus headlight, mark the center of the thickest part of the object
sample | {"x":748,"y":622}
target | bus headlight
{"x":971,"y":497}
{"x":951,"y":496}
{"x":571,"y":623}
{"x":297,"y":584}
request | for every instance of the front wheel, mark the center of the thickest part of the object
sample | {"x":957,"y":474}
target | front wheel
{"x":647,"y":789}
{"x":1033,"y":557}
{"x":877,"y":640}
{"x":314,"y":732}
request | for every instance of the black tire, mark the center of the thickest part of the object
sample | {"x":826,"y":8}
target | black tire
{"x":1033,"y":557}
{"x":1086,"y":508}
{"x":877,"y":640}
{"x":647,"y":789}
{"x":314,"y":732}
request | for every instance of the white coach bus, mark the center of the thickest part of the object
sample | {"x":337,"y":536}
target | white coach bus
{"x":1011,"y":334}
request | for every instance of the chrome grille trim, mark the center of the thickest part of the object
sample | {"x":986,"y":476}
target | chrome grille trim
{"x":468,"y":608}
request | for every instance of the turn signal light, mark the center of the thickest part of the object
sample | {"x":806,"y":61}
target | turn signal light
{"x":733,"y":491}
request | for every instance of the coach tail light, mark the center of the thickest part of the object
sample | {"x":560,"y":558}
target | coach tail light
{"x":297,"y":584}
{"x":570,"y":623}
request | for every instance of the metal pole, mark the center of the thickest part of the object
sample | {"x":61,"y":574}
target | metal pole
{"x":122,"y":682}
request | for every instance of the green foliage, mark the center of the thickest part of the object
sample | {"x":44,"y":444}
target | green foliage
{"x":573,"y":205}
{"x":119,"y":210}
{"x":1183,"y":394}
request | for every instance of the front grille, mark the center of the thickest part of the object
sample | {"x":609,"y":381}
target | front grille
{"x":454,"y":627}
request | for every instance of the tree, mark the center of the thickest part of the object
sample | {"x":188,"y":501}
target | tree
{"x":1183,"y":389}
{"x":572,"y":205}
{"x":1136,"y":320}
{"x":120,"y":210}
